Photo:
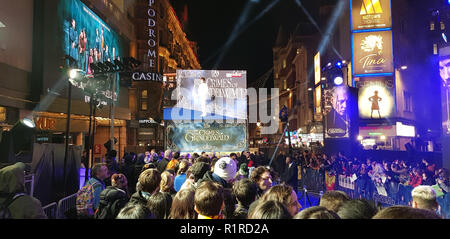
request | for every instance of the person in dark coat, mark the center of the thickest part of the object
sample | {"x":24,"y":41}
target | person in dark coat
{"x":279,"y":163}
{"x":290,"y":174}
{"x":163,"y":163}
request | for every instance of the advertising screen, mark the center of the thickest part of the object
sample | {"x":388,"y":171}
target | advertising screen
{"x":86,"y":37}
{"x":372,"y":52}
{"x":210,"y":92}
{"x":208,"y":137}
{"x":376,"y":97}
{"x":370,"y":14}
{"x":444,"y":72}
{"x":337,"y":120}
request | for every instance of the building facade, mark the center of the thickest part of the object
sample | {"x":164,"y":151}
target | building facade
{"x":174,"y":51}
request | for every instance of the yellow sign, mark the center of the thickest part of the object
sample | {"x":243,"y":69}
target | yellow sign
{"x":371,"y":7}
{"x":318,"y":98}
{"x":371,"y":14}
{"x":317,"y":68}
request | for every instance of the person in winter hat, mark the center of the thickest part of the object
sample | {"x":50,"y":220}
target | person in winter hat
{"x":224,"y":172}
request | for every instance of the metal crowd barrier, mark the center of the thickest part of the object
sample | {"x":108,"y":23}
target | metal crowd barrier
{"x":65,"y":205}
{"x":50,"y":210}
{"x":29,"y":183}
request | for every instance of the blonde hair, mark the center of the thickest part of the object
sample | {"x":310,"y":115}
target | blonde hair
{"x":166,"y":181}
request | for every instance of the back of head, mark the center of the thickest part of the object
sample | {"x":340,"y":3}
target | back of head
{"x":135,"y":211}
{"x":357,"y":209}
{"x":12,"y":178}
{"x":424,"y":197}
{"x":405,"y":212}
{"x":183,"y":167}
{"x":119,"y":180}
{"x":316,"y":212}
{"x":332,"y":200}
{"x":280,"y":193}
{"x":183,"y":205}
{"x":176,"y":155}
{"x":199,"y":169}
{"x":270,"y":210}
{"x":160,"y":204}
{"x":208,"y":199}
{"x":96,"y":169}
{"x":225,"y":168}
{"x":245,"y":191}
{"x":166,"y":181}
{"x":167,"y":153}
{"x":149,"y":180}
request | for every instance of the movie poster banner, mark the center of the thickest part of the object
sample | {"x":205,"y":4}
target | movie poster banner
{"x":207,"y":137}
{"x":444,"y":72}
{"x":337,"y":120}
{"x":370,"y":14}
{"x":372,"y":52}
{"x":376,"y":97}
{"x":210,"y":92}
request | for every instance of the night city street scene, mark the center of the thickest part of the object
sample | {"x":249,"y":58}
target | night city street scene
{"x":245,"y":109}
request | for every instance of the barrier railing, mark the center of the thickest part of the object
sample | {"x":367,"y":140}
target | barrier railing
{"x":29,"y":183}
{"x":50,"y":210}
{"x":65,"y":205}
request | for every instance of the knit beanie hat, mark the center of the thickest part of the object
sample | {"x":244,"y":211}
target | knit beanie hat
{"x":198,"y":169}
{"x":243,"y":169}
{"x":225,"y":168}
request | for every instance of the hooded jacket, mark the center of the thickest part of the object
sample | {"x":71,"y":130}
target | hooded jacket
{"x":11,"y":183}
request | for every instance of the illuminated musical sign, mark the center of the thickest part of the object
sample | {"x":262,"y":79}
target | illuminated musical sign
{"x":370,"y":14}
{"x":376,"y":97}
{"x":372,"y":52}
{"x":317,"y":68}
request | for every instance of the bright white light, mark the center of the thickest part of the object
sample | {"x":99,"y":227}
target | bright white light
{"x":28,"y":123}
{"x":258,"y":124}
{"x":382,"y":137}
{"x":360,"y":137}
{"x":309,"y":89}
{"x":343,"y":62}
{"x":444,"y":37}
{"x":404,"y":67}
{"x":338,"y":80}
{"x":73,"y":73}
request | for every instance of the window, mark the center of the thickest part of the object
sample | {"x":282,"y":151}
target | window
{"x":2,"y":114}
{"x":144,"y":105}
{"x":298,"y":51}
{"x":431,"y":26}
{"x":442,"y":26}
{"x":435,"y":50}
{"x":144,"y":94}
{"x":408,"y":101}
{"x":144,"y":97}
{"x":284,"y":84}
{"x":284,"y":63}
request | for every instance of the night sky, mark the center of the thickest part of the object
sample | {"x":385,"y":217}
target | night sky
{"x":211,"y":24}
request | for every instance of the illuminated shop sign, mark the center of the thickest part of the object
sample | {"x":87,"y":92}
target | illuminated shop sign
{"x":370,"y":14}
{"x":317,"y":68}
{"x":152,"y":37}
{"x":372,"y":53}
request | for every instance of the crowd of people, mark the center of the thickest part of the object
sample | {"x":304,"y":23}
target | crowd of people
{"x":170,"y":185}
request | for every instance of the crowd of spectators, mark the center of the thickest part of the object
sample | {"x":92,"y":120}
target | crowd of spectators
{"x":170,"y":185}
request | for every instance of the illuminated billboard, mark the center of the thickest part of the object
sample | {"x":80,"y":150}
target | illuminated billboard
{"x":370,"y":14}
{"x":87,"y":38}
{"x":202,"y":136}
{"x":444,"y":71}
{"x":373,"y":53}
{"x":318,"y":102}
{"x":212,"y":92}
{"x":337,"y":120}
{"x":317,"y":68}
{"x":376,"y":97}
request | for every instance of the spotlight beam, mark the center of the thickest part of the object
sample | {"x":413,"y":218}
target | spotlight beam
{"x":234,"y":33}
{"x":260,"y":15}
